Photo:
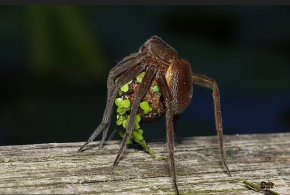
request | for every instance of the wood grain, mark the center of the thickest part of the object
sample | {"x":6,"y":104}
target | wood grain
{"x":56,"y":168}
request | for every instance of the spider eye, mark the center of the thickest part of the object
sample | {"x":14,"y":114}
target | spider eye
{"x":161,"y":49}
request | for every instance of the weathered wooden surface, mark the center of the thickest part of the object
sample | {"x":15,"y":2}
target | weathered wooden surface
{"x":58,"y":168}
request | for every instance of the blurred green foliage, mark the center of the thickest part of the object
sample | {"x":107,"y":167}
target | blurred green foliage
{"x":61,"y":41}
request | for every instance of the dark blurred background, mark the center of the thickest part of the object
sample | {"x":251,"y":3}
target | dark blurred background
{"x":54,"y":61}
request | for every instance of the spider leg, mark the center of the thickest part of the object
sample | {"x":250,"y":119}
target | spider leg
{"x":123,"y":79}
{"x":169,"y":124}
{"x":144,"y":86}
{"x":126,"y":64}
{"x":207,"y":82}
{"x":111,"y":136}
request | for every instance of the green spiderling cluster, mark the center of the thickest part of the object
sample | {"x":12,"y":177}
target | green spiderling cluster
{"x":140,"y":77}
{"x":136,"y":136}
{"x":145,"y":107}
{"x":125,"y":88}
{"x":123,"y":116}
{"x":123,"y":120}
{"x":123,"y":106}
{"x":156,"y":88}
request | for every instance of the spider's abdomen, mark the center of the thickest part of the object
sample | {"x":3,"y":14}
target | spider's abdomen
{"x":179,"y":80}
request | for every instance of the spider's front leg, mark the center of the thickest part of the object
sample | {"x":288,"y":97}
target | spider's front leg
{"x":207,"y":82}
{"x":169,"y":124}
{"x":144,"y":86}
{"x":126,"y":64}
{"x":131,"y":70}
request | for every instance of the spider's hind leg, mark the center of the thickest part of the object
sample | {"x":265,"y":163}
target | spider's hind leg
{"x":112,"y":94}
{"x":207,"y":82}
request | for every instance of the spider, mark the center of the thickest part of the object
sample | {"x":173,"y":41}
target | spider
{"x":162,"y":67}
{"x":266,"y":185}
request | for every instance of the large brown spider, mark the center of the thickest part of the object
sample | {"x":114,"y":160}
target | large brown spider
{"x":173,"y":75}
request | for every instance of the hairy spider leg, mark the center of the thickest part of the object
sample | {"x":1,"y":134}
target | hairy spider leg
{"x":204,"y":81}
{"x":144,"y":86}
{"x":111,"y":136}
{"x":122,"y":80}
{"x":165,"y":91}
{"x":126,"y":64}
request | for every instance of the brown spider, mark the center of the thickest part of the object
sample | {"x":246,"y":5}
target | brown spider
{"x":161,"y":65}
{"x":266,"y":185}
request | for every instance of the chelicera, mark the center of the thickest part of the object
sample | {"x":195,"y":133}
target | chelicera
{"x":163,"y":72}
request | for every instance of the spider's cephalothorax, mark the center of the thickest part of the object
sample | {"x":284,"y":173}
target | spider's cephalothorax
{"x":165,"y":88}
{"x":159,"y":49}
